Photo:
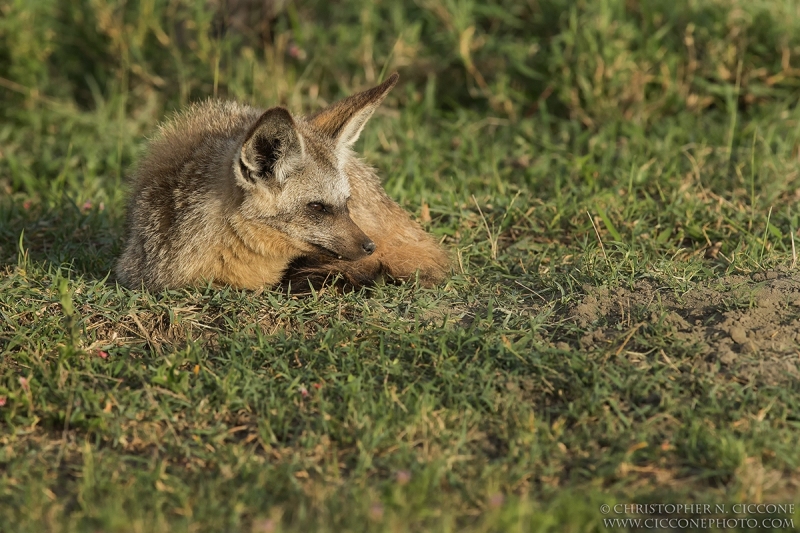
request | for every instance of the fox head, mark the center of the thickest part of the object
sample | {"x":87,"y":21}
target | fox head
{"x":292,"y":173}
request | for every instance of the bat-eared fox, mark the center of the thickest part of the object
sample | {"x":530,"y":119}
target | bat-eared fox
{"x":238,"y":196}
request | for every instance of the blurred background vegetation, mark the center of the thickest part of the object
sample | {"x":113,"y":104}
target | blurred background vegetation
{"x":114,"y":67}
{"x":592,"y":61}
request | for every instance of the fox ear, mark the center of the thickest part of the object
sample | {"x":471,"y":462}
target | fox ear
{"x":344,"y":120}
{"x":272,"y":148}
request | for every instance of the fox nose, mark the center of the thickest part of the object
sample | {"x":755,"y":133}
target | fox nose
{"x":368,"y":247}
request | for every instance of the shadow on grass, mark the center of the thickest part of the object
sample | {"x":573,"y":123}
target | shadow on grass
{"x":84,"y":239}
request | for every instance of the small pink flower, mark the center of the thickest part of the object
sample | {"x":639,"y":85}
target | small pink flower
{"x":87,"y":205}
{"x":264,"y":526}
{"x":24,"y":383}
{"x":303,"y":391}
{"x":317,"y":386}
{"x":376,"y":511}
{"x":403,"y":477}
{"x":103,"y":354}
{"x":2,"y":401}
{"x":26,"y":205}
{"x":296,"y":52}
{"x":496,"y":500}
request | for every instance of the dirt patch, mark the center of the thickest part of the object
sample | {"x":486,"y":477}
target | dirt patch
{"x":752,"y":320}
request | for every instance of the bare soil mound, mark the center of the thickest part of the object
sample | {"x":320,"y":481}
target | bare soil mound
{"x":736,"y":320}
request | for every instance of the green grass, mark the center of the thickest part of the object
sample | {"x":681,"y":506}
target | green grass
{"x":563,"y":149}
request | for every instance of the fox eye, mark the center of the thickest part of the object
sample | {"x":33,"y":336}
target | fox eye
{"x":318,"y":207}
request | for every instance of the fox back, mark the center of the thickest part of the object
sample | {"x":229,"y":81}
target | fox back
{"x":234,"y":195}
